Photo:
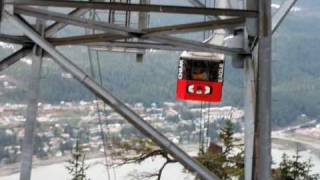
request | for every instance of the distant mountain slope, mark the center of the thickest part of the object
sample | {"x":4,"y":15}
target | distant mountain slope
{"x":296,"y":65}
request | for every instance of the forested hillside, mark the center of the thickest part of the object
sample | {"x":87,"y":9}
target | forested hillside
{"x":296,"y":75}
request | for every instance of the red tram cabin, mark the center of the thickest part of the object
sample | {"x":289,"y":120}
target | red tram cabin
{"x":200,"y":77}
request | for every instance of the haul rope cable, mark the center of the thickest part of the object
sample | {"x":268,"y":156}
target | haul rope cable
{"x":96,"y":16}
{"x":98,"y":107}
{"x":208,"y":125}
{"x":203,"y":123}
{"x":100,"y":124}
{"x":104,"y":107}
{"x":205,"y":19}
{"x":200,"y":129}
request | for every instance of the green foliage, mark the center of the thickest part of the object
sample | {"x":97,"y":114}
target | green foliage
{"x":295,"y":169}
{"x":226,"y":136}
{"x":77,"y":167}
{"x":229,"y":163}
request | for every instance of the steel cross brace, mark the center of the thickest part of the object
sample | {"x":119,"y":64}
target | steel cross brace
{"x":27,"y":44}
{"x":90,"y":40}
{"x":15,"y":57}
{"x":127,"y":32}
{"x":103,"y":37}
{"x":112,"y":101}
{"x":138,"y":7}
{"x":78,"y":12}
{"x":276,"y":21}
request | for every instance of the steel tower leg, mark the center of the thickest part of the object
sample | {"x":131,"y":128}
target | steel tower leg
{"x":249,"y":107}
{"x":32,"y":112}
{"x":262,"y":160}
{"x":250,"y":82}
{"x":113,"y":102}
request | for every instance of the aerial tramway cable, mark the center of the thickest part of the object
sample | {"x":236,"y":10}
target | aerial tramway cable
{"x":92,"y":71}
{"x":204,"y":127}
{"x":96,"y":16}
{"x":208,"y":125}
{"x":204,"y":122}
{"x":100,"y":122}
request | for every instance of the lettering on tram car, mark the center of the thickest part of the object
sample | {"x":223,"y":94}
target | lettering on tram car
{"x":180,"y":70}
{"x":220,"y":72}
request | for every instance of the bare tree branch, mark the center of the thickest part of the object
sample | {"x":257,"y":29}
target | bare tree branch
{"x":143,"y":149}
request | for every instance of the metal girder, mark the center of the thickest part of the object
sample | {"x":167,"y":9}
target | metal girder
{"x":138,"y":7}
{"x":282,"y":12}
{"x":137,"y":45}
{"x":134,"y":46}
{"x":109,"y":40}
{"x":1,"y":8}
{"x":198,"y":26}
{"x":181,"y":28}
{"x":15,"y":57}
{"x":82,"y":22}
{"x":85,"y":39}
{"x":118,"y":49}
{"x":87,"y":23}
{"x":253,"y":161}
{"x":197,"y":46}
{"x":250,"y":112}
{"x":32,"y":107}
{"x":190,"y":27}
{"x":113,"y":102}
{"x":263,"y":121}
{"x":26,"y":49}
{"x":22,"y":40}
{"x":55,"y":27}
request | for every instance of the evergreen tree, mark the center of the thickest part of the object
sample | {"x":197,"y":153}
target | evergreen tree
{"x":295,"y":169}
{"x":77,"y":167}
{"x":229,"y":163}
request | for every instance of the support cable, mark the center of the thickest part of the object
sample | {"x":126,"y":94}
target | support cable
{"x":106,"y":140}
{"x":90,"y":56}
{"x":201,"y":133}
{"x":98,"y":110}
{"x":97,"y":54}
{"x":205,"y":20}
{"x":204,"y":128}
{"x":208,"y":126}
{"x":200,"y":129}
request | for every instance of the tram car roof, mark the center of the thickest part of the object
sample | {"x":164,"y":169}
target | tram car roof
{"x":202,"y":56}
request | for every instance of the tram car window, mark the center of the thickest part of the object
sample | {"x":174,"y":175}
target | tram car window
{"x":200,"y":78}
